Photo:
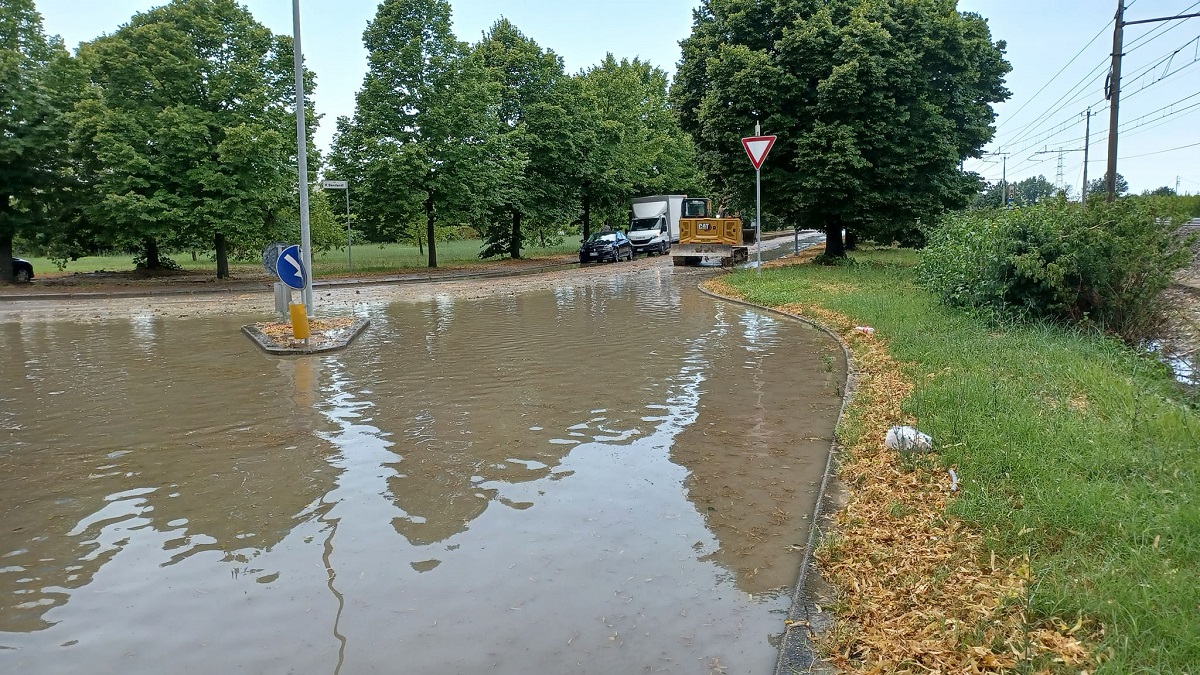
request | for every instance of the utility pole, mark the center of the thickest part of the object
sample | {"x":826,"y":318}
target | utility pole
{"x":1115,"y":87}
{"x":1003,"y":174}
{"x":1087,"y":141}
{"x":1003,"y":177}
{"x":1114,"y":103}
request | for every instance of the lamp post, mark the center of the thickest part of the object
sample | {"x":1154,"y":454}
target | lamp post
{"x":302,"y":159}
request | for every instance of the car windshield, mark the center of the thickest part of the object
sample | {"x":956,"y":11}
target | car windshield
{"x":643,"y":224}
{"x":603,"y":236}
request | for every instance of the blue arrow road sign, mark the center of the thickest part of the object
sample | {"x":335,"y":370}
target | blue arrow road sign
{"x":289,"y":268}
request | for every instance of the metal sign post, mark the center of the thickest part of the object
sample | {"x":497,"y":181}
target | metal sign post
{"x":343,"y":185}
{"x":757,"y":147}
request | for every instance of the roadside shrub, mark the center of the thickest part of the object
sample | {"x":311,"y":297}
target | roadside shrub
{"x":1103,"y":266}
{"x":1190,"y":204}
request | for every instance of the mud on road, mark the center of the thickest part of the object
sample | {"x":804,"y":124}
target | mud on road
{"x":109,"y":300}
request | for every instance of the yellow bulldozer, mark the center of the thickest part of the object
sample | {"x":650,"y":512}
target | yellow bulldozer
{"x":705,"y":235}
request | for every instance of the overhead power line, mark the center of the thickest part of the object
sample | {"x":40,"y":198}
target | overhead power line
{"x":1156,"y":32}
{"x":1160,"y":152}
{"x":1030,"y":134}
{"x":1115,"y":94}
{"x":1055,"y":77}
{"x":1057,"y":106}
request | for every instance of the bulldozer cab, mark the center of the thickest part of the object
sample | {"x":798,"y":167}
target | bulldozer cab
{"x":696,"y":208}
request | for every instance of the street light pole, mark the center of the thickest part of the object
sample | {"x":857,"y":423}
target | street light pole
{"x":302,"y":159}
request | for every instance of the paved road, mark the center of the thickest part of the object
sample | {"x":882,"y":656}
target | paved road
{"x":774,"y":246}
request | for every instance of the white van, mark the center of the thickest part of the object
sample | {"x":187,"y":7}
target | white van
{"x":654,"y":223}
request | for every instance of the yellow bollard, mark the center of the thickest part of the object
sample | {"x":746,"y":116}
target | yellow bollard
{"x":300,"y":329}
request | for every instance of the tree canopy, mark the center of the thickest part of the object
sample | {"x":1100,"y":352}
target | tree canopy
{"x":175,"y":132}
{"x":37,"y":86}
{"x":875,"y":103}
{"x":1099,"y":186}
{"x":498,"y":136}
{"x":533,"y":120}
{"x":424,"y":141}
{"x":626,"y":139}
{"x":185,"y":135}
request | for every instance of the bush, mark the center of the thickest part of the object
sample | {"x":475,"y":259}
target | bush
{"x":1190,"y":204}
{"x":1103,"y":266}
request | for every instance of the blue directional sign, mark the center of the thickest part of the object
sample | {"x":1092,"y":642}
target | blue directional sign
{"x":290,"y":268}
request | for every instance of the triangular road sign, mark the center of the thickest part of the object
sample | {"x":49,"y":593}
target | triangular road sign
{"x":757,"y":148}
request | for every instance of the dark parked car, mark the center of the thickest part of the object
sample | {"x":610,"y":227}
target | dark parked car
{"x":22,"y":270}
{"x":611,"y":246}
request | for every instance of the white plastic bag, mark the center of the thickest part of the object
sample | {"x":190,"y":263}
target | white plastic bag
{"x":907,"y":439}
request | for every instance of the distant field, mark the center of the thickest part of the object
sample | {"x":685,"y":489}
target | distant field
{"x":367,"y":258}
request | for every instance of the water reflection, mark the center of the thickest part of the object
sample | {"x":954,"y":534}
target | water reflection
{"x":550,"y":470}
{"x":114,"y":450}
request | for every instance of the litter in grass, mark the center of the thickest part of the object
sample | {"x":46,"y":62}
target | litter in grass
{"x":954,"y":481}
{"x":905,"y":438}
{"x":865,"y":330}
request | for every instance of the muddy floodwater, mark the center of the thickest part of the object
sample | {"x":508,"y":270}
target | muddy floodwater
{"x":615,"y":477}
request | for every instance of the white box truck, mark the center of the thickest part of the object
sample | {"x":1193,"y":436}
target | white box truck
{"x":654,"y":223}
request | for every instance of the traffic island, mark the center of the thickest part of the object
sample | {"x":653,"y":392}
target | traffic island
{"x":325,"y":335}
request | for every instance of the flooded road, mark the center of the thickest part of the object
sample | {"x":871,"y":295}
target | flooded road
{"x":606,"y":478}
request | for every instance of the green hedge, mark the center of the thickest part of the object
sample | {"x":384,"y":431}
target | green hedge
{"x":1103,"y":266}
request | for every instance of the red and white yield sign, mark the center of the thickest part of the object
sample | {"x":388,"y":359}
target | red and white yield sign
{"x":757,"y":148}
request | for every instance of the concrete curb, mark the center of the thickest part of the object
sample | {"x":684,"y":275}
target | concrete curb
{"x":796,"y":649}
{"x":343,"y":340}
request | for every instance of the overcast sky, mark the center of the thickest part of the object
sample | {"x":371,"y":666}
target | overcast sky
{"x":1045,"y":113}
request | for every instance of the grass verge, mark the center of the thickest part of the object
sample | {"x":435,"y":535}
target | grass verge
{"x":367,"y":259}
{"x":1074,"y":541}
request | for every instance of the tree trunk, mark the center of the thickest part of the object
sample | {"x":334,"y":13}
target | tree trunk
{"x":514,"y":244}
{"x":152,"y":260}
{"x":429,"y":216}
{"x":7,"y":274}
{"x":834,"y":247}
{"x":851,"y":239}
{"x":587,"y":216}
{"x":222,"y":256}
{"x":6,"y":251}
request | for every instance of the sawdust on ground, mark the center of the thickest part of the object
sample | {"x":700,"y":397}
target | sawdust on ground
{"x":918,"y":590}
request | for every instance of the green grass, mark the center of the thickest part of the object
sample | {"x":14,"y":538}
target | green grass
{"x":368,"y":258}
{"x":1071,"y":448}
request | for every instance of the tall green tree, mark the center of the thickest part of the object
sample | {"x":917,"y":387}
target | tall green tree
{"x":531,"y":116}
{"x":1098,"y":186}
{"x":875,"y":103}
{"x":1034,"y":189}
{"x":186,"y":136}
{"x":989,"y":196}
{"x":625,"y":139}
{"x":36,"y":91}
{"x":1163,"y":191}
{"x":423,"y":144}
